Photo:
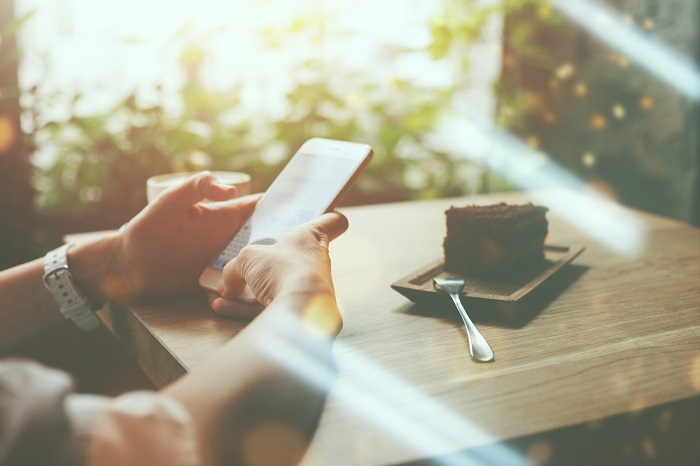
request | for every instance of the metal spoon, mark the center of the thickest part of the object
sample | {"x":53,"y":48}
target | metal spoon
{"x":478,"y":348}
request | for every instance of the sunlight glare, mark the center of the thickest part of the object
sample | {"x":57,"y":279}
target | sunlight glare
{"x":610,"y":27}
{"x":320,"y":316}
{"x":553,"y":186}
{"x":409,"y":415}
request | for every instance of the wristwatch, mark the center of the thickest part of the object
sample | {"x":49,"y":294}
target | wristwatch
{"x":60,"y":282}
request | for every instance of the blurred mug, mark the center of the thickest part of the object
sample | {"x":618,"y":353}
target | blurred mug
{"x":157,"y":184}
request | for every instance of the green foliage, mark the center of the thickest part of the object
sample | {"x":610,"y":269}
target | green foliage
{"x":572,"y":98}
{"x":462,"y":24}
{"x":102,"y":161}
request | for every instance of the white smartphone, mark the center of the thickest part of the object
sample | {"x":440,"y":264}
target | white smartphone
{"x":312,"y":183}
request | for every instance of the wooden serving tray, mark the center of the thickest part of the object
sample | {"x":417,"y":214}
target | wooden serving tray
{"x":419,"y":286}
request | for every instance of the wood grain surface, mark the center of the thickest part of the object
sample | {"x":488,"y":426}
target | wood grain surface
{"x":615,"y":331}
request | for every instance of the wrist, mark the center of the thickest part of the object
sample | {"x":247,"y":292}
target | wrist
{"x":316,"y":305}
{"x":302,"y":288}
{"x":98,"y":270}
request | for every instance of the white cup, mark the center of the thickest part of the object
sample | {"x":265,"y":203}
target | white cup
{"x":157,"y":184}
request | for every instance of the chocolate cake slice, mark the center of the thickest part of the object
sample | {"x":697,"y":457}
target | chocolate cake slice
{"x":495,"y":242}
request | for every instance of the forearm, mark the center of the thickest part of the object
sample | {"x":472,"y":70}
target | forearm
{"x":266,"y":385}
{"x":26,"y":306}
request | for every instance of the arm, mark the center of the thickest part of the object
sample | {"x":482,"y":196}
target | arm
{"x":266,"y":386}
{"x":29,"y":309}
{"x":161,"y":251}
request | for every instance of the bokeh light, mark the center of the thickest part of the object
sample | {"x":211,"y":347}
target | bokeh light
{"x":8,"y":133}
{"x":695,"y":373}
{"x":540,"y":452}
{"x":273,"y":443}
{"x":321,"y":316}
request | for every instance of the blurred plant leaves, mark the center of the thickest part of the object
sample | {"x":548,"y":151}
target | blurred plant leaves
{"x":102,"y":161}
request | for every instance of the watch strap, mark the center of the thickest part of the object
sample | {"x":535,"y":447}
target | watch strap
{"x":60,"y":282}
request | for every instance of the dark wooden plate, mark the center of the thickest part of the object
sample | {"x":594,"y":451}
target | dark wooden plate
{"x":418,"y":286}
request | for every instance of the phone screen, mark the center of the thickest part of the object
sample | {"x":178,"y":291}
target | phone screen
{"x":304,"y":190}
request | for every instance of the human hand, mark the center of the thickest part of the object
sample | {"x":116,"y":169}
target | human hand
{"x":169,"y":243}
{"x":297,"y":265}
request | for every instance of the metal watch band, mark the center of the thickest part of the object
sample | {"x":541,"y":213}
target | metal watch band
{"x":59,"y":281}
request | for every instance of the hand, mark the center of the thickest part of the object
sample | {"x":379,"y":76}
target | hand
{"x":298,"y":265}
{"x":168,"y":244}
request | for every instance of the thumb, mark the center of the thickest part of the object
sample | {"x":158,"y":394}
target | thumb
{"x":329,"y":226}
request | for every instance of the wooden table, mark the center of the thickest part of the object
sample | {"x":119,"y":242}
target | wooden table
{"x":616,"y":331}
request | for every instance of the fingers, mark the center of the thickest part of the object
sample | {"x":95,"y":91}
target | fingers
{"x":200,"y":187}
{"x":218,"y":192}
{"x":233,"y":308}
{"x":264,"y":268}
{"x":324,"y":229}
{"x":240,"y":207}
{"x":204,"y":186}
{"x":233,"y":281}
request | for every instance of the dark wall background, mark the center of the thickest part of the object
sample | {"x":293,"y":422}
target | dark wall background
{"x":599,"y":114}
{"x":16,"y":193}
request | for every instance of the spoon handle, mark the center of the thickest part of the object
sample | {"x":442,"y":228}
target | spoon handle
{"x":478,"y":347}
